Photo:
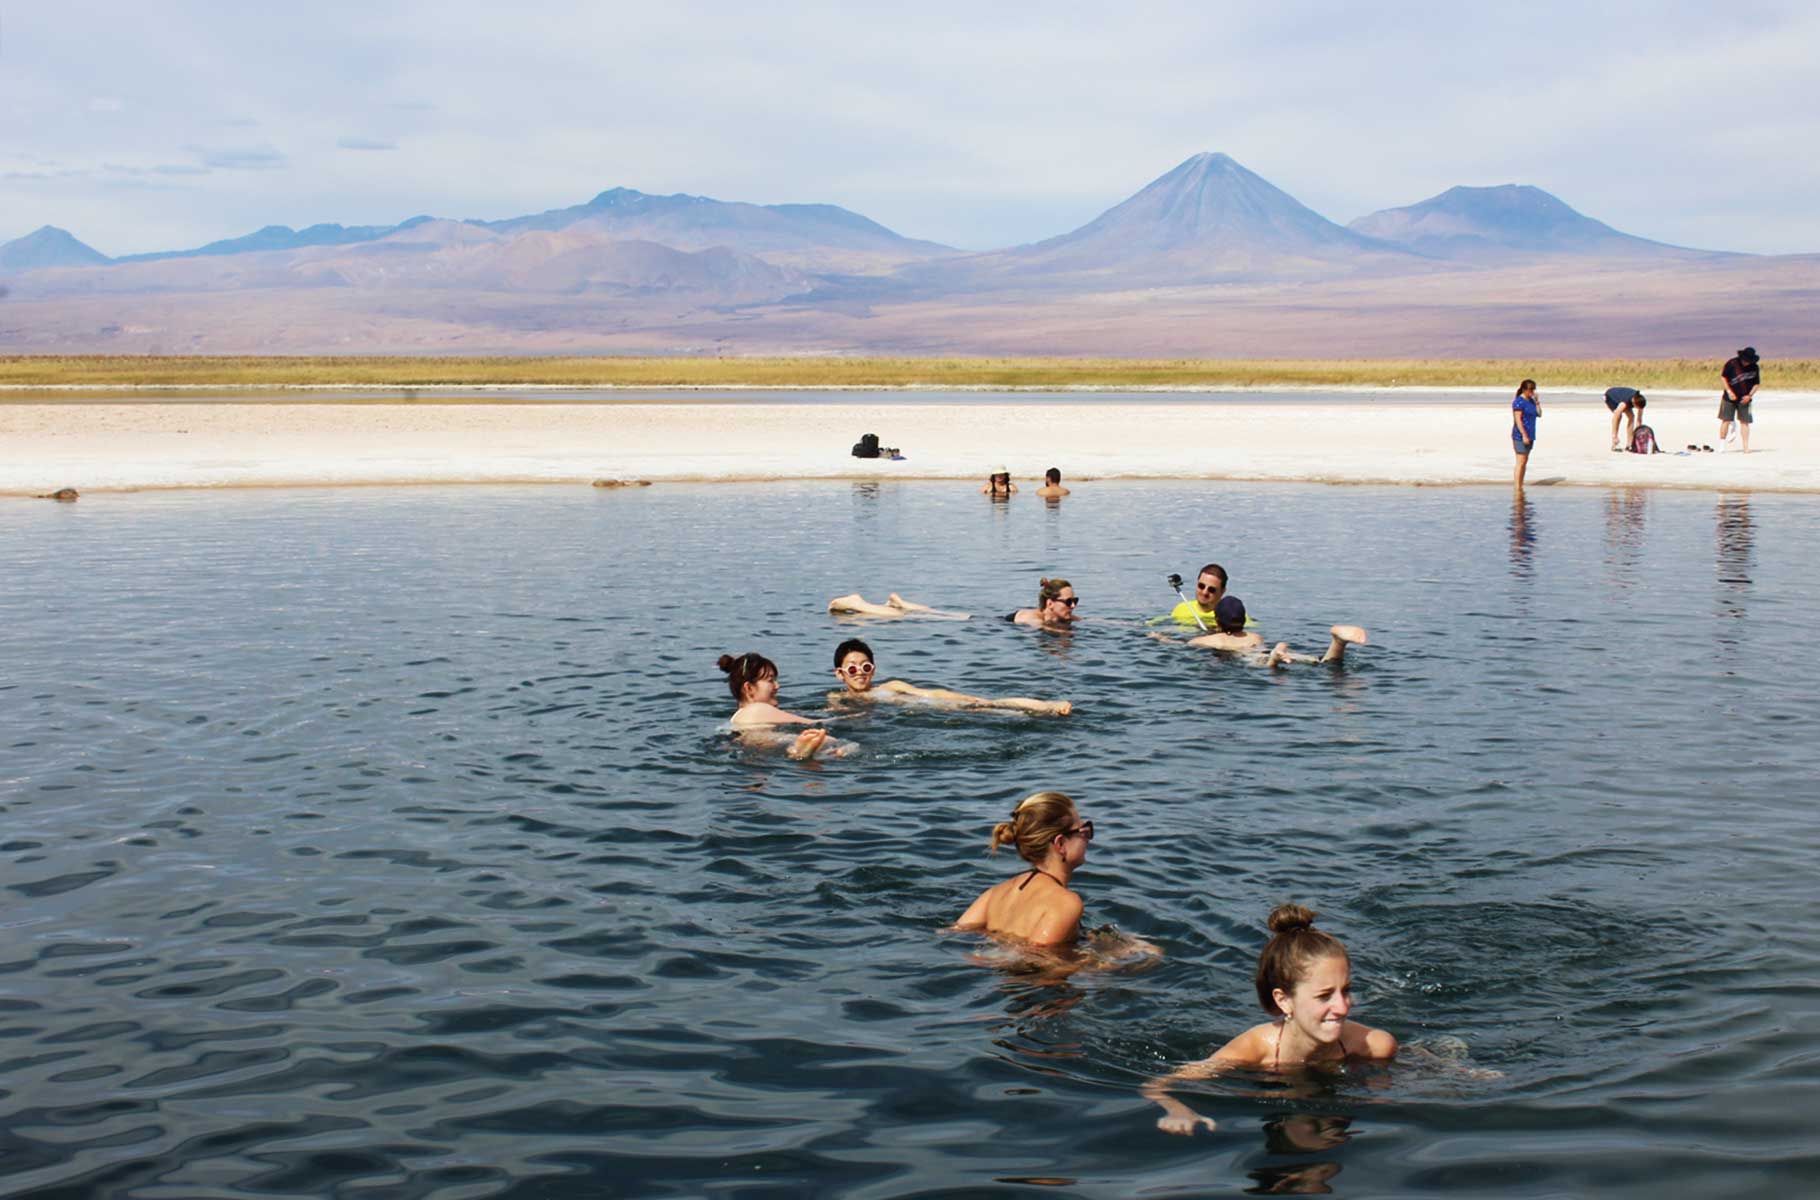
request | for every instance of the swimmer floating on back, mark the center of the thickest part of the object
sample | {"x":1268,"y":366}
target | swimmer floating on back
{"x":752,"y":678}
{"x":1055,"y":602}
{"x":1304,"y":980}
{"x":895,"y":606}
{"x":854,"y":666}
{"x":1229,"y":634}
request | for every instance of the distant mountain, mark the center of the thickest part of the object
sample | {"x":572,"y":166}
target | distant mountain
{"x":281,"y":237}
{"x":48,"y":246}
{"x":813,"y":236}
{"x":1208,"y":220}
{"x":1508,"y":221}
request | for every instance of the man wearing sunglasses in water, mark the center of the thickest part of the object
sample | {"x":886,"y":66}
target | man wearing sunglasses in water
{"x":855,"y":668}
{"x":1209,"y":590}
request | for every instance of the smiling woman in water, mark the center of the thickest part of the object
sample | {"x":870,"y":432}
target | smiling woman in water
{"x":752,"y":678}
{"x":1304,"y":980}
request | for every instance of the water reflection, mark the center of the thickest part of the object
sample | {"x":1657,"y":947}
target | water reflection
{"x":1300,"y":1133}
{"x":1522,"y":538}
{"x":1626,"y":510}
{"x":1734,"y":538}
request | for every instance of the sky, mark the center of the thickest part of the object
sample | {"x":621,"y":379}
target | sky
{"x":143,"y":127}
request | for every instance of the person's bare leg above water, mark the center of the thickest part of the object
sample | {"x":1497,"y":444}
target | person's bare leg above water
{"x":896,"y":606}
{"x":1341,"y":637}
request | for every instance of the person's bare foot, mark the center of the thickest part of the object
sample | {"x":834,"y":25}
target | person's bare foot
{"x":1351,"y":634}
{"x":897,"y":601}
{"x":1061,"y":708}
{"x":807,"y":743}
{"x":1279,"y":654}
{"x":846,"y":603}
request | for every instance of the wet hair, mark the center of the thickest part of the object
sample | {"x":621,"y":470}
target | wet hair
{"x":1213,"y":569}
{"x":1052,"y":475}
{"x":1295,"y":946}
{"x":1229,"y":615}
{"x":1049,"y":589}
{"x":849,"y":646}
{"x":1035,"y":823}
{"x":1528,"y":385}
{"x":747,"y":668}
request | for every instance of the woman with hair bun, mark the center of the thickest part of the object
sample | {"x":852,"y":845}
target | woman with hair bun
{"x":1037,"y":905}
{"x":1055,"y":601}
{"x":752,"y":678}
{"x":1304,"y":980}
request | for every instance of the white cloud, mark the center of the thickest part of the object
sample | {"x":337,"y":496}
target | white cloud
{"x":973,"y":124}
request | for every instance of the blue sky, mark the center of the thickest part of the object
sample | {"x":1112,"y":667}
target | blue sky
{"x":157,"y":126}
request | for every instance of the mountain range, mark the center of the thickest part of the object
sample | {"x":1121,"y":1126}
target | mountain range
{"x":1207,"y":249}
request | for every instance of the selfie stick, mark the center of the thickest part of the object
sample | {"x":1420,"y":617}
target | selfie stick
{"x":1175,"y":581}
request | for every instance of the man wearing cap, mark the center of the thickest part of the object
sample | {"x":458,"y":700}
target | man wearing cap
{"x":1624,"y":403}
{"x":1741,"y":378}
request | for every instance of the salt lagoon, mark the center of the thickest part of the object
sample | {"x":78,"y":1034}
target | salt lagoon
{"x":388,"y":841}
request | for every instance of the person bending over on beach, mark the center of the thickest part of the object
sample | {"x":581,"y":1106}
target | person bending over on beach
{"x":1304,"y":981}
{"x":1741,"y":376}
{"x":1229,"y":634}
{"x":1625,"y":404}
{"x":752,"y":678}
{"x":854,"y":666}
{"x":1525,"y":410}
{"x":1052,"y":488}
{"x":895,"y":606}
{"x":1055,"y":601}
{"x":1036,"y":906}
{"x":998,"y":483}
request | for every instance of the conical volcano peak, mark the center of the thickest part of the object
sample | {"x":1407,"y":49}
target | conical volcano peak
{"x":48,"y":246}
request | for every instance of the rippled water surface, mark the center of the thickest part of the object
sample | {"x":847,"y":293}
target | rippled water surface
{"x":388,"y":843}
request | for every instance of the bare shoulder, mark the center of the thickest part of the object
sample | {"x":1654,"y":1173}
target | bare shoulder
{"x":975,"y":916}
{"x":1249,"y":1049}
{"x":1380,"y":1044}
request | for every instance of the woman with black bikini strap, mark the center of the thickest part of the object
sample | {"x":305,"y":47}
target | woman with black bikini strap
{"x":1037,"y":905}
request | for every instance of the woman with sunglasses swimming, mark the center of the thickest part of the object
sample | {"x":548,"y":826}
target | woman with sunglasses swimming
{"x":854,"y":666}
{"x":752,"y":678}
{"x":1055,"y":604}
{"x":1036,"y":906}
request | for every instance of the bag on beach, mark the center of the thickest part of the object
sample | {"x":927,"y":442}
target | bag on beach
{"x":866,"y":447}
{"x":1643,"y":441}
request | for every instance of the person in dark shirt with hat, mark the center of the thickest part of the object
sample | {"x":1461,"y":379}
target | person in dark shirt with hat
{"x":1741,"y":378}
{"x":1626,"y":404}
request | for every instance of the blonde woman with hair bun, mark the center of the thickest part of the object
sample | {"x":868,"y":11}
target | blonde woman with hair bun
{"x":1036,"y":906}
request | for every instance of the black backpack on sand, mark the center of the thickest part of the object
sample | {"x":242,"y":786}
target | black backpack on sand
{"x":866,"y":447}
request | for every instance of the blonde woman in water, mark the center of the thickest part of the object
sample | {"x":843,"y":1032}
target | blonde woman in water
{"x":1304,"y":981}
{"x":1036,"y":906}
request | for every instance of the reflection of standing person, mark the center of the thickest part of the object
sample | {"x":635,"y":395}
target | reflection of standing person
{"x":1741,"y":378}
{"x":1625,"y":404}
{"x":1525,"y":411}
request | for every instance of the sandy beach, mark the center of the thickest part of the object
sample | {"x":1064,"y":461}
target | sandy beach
{"x":99,"y":446}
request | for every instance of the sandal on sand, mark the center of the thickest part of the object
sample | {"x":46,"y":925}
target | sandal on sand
{"x":1691,"y":446}
{"x":1708,"y":449}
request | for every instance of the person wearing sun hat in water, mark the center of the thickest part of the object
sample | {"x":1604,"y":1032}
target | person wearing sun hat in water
{"x":998,"y":483}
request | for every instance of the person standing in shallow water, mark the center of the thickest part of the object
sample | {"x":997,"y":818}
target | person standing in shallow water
{"x":1304,"y":980}
{"x":1525,"y":411}
{"x":1036,"y":906}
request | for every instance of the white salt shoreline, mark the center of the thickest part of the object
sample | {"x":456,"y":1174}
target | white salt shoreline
{"x":97,"y":446}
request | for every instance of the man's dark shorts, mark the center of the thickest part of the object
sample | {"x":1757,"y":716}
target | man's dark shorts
{"x":1731,"y":410}
{"x":1614,"y":405}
